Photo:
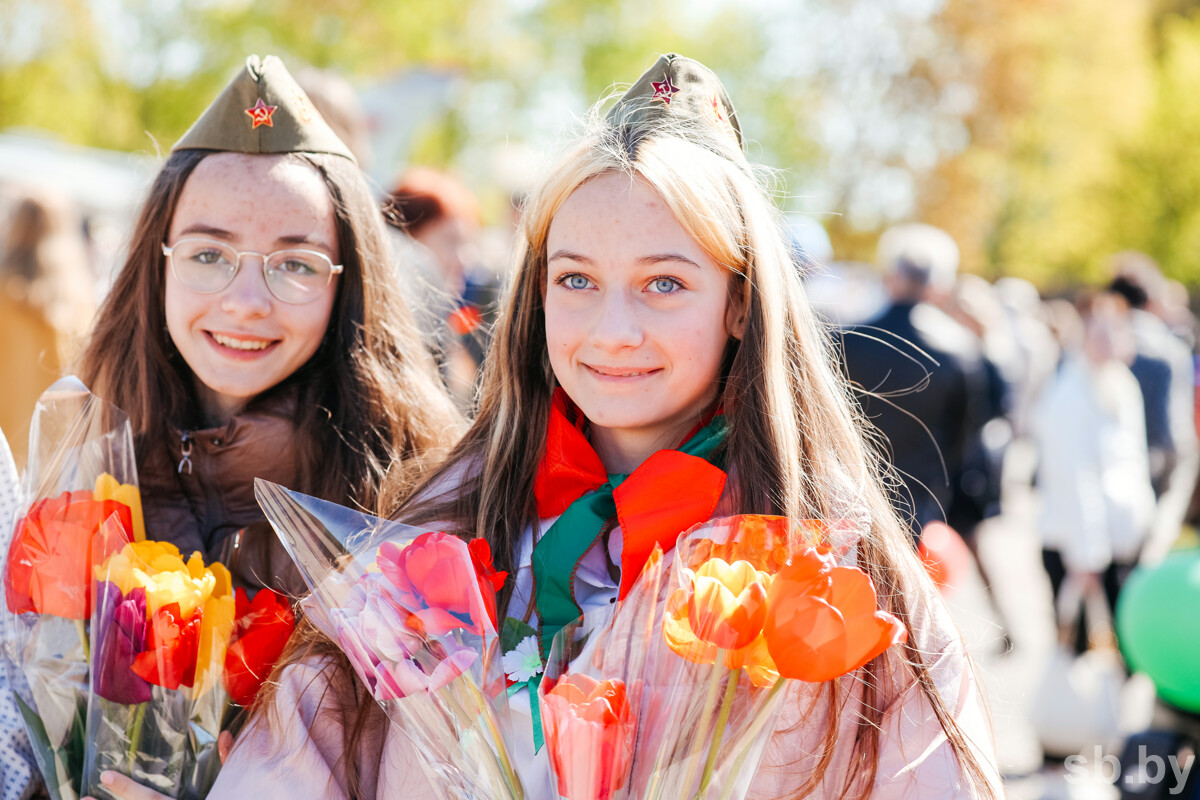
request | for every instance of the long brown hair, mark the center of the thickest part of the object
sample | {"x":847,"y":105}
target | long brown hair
{"x":369,"y":400}
{"x":795,"y":445}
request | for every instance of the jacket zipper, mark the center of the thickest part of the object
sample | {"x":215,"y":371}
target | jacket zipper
{"x":185,"y":445}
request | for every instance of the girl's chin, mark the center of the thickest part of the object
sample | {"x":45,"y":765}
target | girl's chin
{"x":631,"y":421}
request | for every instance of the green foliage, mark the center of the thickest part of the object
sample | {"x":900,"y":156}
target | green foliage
{"x":1154,"y":203}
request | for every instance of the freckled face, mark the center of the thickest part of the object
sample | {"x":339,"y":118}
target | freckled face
{"x":241,"y":341}
{"x":637,"y":313}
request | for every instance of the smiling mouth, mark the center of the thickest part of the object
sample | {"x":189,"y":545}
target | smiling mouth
{"x":613,"y":372}
{"x":241,"y":344}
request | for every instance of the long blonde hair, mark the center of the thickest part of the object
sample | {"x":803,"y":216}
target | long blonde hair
{"x":794,"y":438}
{"x":795,"y":435}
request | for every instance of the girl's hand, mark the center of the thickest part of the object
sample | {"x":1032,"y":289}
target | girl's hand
{"x":125,"y":789}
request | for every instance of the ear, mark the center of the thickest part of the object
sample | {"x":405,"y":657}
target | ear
{"x":735,"y":315}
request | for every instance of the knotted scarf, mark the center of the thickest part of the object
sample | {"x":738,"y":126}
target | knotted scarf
{"x":671,"y":491}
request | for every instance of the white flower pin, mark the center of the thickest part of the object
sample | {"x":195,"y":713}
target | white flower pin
{"x":523,"y":661}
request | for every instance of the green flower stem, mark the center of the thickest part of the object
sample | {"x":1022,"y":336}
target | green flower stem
{"x":83,"y":639}
{"x":722,"y":720}
{"x":751,"y":735}
{"x":134,"y":734}
{"x":710,"y":700}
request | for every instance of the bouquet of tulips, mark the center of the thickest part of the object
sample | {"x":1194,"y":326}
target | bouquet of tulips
{"x":173,"y":645}
{"x":81,"y":505}
{"x":129,"y":656}
{"x":749,"y":604}
{"x":160,"y":628}
{"x":415,"y":612}
{"x":593,"y":689}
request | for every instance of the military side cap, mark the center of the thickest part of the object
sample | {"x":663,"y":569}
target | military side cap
{"x":680,"y":91}
{"x":263,"y":111}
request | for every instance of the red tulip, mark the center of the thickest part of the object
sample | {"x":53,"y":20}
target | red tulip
{"x":169,"y":659}
{"x":490,"y":581}
{"x":261,"y":632}
{"x":437,"y":582}
{"x":590,"y":728}
{"x":54,"y":549}
{"x":823,"y":623}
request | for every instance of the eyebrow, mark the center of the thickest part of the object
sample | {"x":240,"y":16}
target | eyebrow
{"x":207,"y":230}
{"x":227,"y":236}
{"x":656,"y":258}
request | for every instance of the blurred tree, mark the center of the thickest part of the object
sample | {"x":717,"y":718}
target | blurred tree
{"x":1061,"y":86}
{"x":1154,"y":202}
{"x":1004,"y":121}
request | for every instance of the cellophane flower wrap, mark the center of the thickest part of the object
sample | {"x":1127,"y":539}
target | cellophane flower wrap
{"x":161,"y":629}
{"x":415,"y":612}
{"x":81,"y":502}
{"x":706,"y":649}
{"x":591,"y":693}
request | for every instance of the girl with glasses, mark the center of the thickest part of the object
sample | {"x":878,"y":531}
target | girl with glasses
{"x":258,"y":329}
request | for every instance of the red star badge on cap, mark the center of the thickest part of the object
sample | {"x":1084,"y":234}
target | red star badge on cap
{"x":261,"y":114}
{"x":664,"y":89}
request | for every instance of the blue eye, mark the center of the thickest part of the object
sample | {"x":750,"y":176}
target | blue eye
{"x":665,"y":285}
{"x":576,"y":282}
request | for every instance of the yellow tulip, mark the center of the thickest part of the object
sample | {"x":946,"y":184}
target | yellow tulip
{"x":109,"y":488}
{"x":216,"y":627}
{"x":158,"y":568}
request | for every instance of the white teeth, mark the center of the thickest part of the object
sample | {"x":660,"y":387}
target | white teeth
{"x":240,"y":344}
{"x":622,"y":374}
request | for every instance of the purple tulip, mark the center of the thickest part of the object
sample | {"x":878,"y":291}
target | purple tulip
{"x":119,"y":634}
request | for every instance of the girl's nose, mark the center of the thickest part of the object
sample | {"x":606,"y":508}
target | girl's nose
{"x":248,"y":295}
{"x":617,"y":325}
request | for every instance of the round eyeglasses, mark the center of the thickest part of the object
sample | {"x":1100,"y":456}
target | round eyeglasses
{"x":206,"y":266}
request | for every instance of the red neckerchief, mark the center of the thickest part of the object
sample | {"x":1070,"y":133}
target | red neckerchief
{"x":665,"y":495}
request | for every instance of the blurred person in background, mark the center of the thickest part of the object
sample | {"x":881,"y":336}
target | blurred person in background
{"x":1097,"y":502}
{"x":46,"y":305}
{"x":918,"y":373}
{"x":1037,"y":351}
{"x":977,"y":493}
{"x":338,"y":104}
{"x":975,"y":306}
{"x":443,"y":217}
{"x":1170,"y":420}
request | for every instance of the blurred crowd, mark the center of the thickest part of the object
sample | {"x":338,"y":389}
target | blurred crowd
{"x":1086,"y":399}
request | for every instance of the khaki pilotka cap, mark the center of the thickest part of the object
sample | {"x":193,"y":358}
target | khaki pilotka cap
{"x":263,"y":111}
{"x":681,"y":94}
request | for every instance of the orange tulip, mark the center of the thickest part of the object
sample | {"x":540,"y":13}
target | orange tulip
{"x":762,"y":541}
{"x":728,"y":604}
{"x":54,"y":549}
{"x":590,"y":727}
{"x":824,"y":621}
{"x":723,"y":608}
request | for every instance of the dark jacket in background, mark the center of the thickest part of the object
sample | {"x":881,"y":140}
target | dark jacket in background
{"x":926,"y":370}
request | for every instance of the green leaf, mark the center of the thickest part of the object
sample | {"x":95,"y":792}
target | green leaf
{"x":52,"y":762}
{"x":513,"y":632}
